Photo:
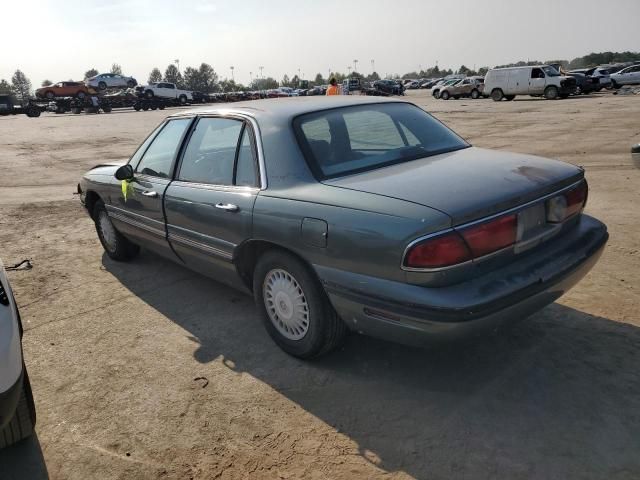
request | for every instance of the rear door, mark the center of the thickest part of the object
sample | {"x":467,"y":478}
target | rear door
{"x":138,"y":213}
{"x":209,"y":206}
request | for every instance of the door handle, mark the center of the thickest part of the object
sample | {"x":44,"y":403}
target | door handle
{"x":229,"y":207}
{"x":148,"y":193}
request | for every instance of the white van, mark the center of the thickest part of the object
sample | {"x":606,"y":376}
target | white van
{"x":535,"y":80}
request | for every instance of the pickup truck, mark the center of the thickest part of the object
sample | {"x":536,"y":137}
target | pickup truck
{"x":166,"y":90}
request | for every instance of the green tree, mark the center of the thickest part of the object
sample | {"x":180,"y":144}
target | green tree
{"x":285,"y":82}
{"x":92,"y":72}
{"x":482,"y":71}
{"x":116,"y":68}
{"x":192,"y":79}
{"x":318,"y":80}
{"x":46,"y":83}
{"x":155,"y":76}
{"x":208,"y":77}
{"x":5,"y":87}
{"x":373,"y":77}
{"x":21,"y":85}
{"x":173,"y":75}
{"x":295,"y":81}
{"x":264,"y":83}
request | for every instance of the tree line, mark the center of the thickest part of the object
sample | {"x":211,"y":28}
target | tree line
{"x":205,"y":79}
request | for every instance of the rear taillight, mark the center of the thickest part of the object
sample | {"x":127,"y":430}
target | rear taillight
{"x":491,"y":236}
{"x":461,"y":246}
{"x":567,"y":204}
{"x":441,"y":251}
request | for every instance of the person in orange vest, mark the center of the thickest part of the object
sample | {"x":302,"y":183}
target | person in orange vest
{"x":333,"y":89}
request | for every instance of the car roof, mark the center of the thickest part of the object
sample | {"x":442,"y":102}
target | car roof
{"x":288,"y":107}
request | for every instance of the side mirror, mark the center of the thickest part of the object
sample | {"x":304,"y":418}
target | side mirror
{"x":125,"y":172}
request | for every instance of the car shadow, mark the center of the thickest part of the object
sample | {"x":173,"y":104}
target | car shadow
{"x":557,"y":396}
{"x":24,"y":460}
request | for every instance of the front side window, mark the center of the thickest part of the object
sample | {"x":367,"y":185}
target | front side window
{"x":550,"y":71}
{"x":159,"y":155}
{"x":348,"y":140}
{"x":210,"y":155}
{"x":537,"y":73}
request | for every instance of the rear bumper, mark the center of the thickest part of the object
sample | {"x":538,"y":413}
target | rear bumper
{"x":417,"y":315}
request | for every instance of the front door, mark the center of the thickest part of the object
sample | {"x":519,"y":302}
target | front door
{"x":137,"y":211}
{"x":537,"y":81}
{"x":209,"y":206}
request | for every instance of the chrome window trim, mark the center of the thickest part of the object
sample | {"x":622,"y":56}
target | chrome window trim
{"x":477,"y":222}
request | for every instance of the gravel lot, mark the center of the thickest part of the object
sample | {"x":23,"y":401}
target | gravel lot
{"x":146,"y":370}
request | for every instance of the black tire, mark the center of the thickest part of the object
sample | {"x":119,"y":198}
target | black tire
{"x":50,"y":95}
{"x":81,"y":95}
{"x":102,"y":86}
{"x":154,"y":107}
{"x":145,"y":107}
{"x":118,"y":248}
{"x":131,"y":84}
{"x":24,"y":419}
{"x":182,"y":99}
{"x":76,"y":110}
{"x":161,"y":107}
{"x":509,"y":98}
{"x":551,"y":93}
{"x":475,"y":94}
{"x":325,"y":330}
{"x":148,"y":93}
{"x":615,"y":84}
{"x":137,"y":107}
{"x":445,"y":95}
{"x":107,"y":109}
{"x":497,"y":95}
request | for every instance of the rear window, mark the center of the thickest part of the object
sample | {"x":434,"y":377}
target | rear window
{"x":348,"y":140}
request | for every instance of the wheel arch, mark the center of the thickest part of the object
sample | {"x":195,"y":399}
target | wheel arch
{"x":249,"y":252}
{"x":90,"y":200}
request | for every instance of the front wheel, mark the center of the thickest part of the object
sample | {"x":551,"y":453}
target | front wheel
{"x":114,"y":243}
{"x":497,"y":95}
{"x":551,"y":93}
{"x":294,"y":308}
{"x":444,"y":95}
{"x":24,"y":418}
{"x":475,"y":94}
{"x":102,"y":86}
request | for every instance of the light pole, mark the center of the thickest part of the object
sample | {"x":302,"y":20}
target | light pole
{"x":373,"y":65}
{"x":355,"y":66}
{"x":177,"y":62}
{"x":250,"y":78}
{"x":261,"y":75}
{"x":349,"y":70}
{"x":232,"y":77}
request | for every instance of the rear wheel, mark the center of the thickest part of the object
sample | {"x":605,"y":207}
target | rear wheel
{"x":445,"y":95}
{"x":114,"y":243}
{"x":475,"y":94}
{"x":183,"y":99}
{"x":148,"y":94}
{"x":497,"y":95}
{"x":24,"y":418}
{"x":551,"y":93}
{"x":294,"y":308}
{"x":50,"y":95}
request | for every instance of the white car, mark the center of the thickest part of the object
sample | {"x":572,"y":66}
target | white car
{"x":17,"y":410}
{"x":111,"y":80}
{"x":626,"y":76}
{"x":166,"y":90}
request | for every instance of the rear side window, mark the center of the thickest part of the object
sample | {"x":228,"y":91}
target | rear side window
{"x":348,"y":140}
{"x":159,"y":155}
{"x":211,"y":152}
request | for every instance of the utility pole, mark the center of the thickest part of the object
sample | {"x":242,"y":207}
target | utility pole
{"x":349,"y":70}
{"x":355,"y":66}
{"x":261,"y":75}
{"x":232,"y":77}
{"x":373,"y":65}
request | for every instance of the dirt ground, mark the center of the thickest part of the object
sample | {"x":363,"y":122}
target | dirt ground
{"x":148,"y":371}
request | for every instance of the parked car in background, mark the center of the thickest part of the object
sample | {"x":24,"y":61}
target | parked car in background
{"x":166,"y":90}
{"x":350,"y":213}
{"x":17,"y":409}
{"x":435,"y":91}
{"x":626,"y":76}
{"x":538,"y":80}
{"x":111,"y":80}
{"x":200,"y":97}
{"x":468,"y":87}
{"x":390,"y":87}
{"x":63,"y":89}
{"x":585,"y":84}
{"x":8,"y":104}
{"x":602,"y":74}
{"x":412,"y":85}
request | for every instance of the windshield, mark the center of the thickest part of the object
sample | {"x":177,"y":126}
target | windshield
{"x":347,"y":140}
{"x":550,"y":71}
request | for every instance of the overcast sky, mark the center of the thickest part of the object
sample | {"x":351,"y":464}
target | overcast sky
{"x":61,"y":39}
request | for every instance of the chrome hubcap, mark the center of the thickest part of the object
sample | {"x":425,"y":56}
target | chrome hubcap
{"x":107,"y":230}
{"x":286,"y":304}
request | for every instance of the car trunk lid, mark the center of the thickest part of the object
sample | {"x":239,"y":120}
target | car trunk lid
{"x":468,"y":184}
